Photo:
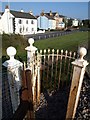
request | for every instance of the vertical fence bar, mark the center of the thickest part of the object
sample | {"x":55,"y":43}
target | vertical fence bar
{"x":48,"y":62}
{"x":78,"y":74}
{"x":68,"y":67}
{"x":41,"y":72}
{"x":64,"y":69}
{"x":35,"y":80}
{"x":38,"y":78}
{"x":56,"y":68}
{"x":74,"y":54}
{"x":52,"y":79}
{"x":44,"y":68}
{"x":60,"y":68}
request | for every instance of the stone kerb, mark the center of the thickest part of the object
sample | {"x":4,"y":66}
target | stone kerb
{"x":14,"y":68}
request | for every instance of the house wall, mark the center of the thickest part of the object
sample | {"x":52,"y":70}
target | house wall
{"x":52,"y":24}
{"x":58,"y":21}
{"x":61,"y":25}
{"x":7,"y":25}
{"x":24,"y":27}
{"x":75,"y":23}
{"x":43,"y":22}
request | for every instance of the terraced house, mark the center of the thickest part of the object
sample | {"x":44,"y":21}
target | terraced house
{"x":58,"y":18}
{"x":46,"y":22}
{"x":18,"y":22}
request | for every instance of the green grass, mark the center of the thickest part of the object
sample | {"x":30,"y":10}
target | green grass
{"x":67,"y":42}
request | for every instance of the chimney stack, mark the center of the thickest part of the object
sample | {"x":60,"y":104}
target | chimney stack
{"x":50,"y":13}
{"x":42,"y":13}
{"x":7,"y":8}
{"x":31,"y":13}
{"x":22,"y":10}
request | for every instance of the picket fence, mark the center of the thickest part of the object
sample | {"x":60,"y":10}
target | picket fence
{"x":45,"y":70}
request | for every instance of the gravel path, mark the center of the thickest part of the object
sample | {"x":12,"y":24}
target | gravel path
{"x":53,"y":105}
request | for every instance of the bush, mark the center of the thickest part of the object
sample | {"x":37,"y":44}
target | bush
{"x":16,"y":41}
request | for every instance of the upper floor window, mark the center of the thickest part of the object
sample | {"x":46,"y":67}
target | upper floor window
{"x":32,"y":22}
{"x":26,"y":21}
{"x":20,"y":21}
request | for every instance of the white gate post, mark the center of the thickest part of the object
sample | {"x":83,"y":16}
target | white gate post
{"x":14,"y":68}
{"x":30,"y":53}
{"x":77,"y":79}
{"x":31,"y":63}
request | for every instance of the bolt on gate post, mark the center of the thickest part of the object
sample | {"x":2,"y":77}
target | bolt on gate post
{"x":14,"y":68}
{"x":77,"y":79}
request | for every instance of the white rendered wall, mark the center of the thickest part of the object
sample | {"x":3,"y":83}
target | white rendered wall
{"x":25,"y":26}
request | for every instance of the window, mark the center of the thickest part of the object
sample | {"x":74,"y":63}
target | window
{"x":20,"y":30}
{"x":26,"y":21}
{"x":32,"y":22}
{"x":32,"y":29}
{"x":20,"y":21}
{"x":27,"y":29}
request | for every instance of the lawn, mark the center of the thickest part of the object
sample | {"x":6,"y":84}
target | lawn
{"x":67,"y":42}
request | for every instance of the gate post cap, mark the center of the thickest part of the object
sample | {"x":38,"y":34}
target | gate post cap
{"x":82,"y":52}
{"x":11,"y":51}
{"x":31,"y":41}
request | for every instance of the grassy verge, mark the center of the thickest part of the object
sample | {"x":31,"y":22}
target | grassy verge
{"x":67,"y":42}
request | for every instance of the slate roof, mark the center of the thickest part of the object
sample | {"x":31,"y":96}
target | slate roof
{"x":53,"y":14}
{"x":18,"y":14}
{"x":61,"y":16}
{"x":49,"y":17}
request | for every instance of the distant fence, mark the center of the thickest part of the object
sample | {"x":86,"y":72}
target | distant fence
{"x":49,"y":70}
{"x":50,"y":35}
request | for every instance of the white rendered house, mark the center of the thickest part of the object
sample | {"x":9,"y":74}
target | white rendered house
{"x":75,"y":23}
{"x":18,"y":22}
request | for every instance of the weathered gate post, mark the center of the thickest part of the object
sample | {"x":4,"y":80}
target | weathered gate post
{"x":30,"y":53}
{"x":77,"y":79}
{"x":31,"y":64}
{"x":14,"y":68}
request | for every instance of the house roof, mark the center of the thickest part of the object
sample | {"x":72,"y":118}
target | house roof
{"x":53,"y":13}
{"x":61,"y":16}
{"x":18,"y":14}
{"x":49,"y":17}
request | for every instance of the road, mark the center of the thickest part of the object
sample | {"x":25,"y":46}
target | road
{"x":49,"y":34}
